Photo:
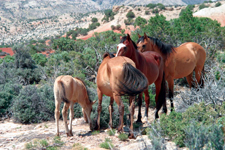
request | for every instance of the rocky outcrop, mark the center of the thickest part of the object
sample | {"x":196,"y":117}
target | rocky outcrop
{"x":216,"y":13}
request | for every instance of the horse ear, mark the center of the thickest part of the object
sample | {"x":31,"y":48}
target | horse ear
{"x":145,"y":36}
{"x":139,"y":36}
{"x":128,"y":37}
{"x":94,"y":102}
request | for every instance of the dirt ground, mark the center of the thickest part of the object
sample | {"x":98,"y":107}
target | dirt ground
{"x":16,"y":135}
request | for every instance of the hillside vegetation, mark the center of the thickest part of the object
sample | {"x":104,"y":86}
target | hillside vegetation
{"x":26,"y":80}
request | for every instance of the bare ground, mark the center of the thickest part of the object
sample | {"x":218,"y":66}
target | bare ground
{"x":16,"y":135}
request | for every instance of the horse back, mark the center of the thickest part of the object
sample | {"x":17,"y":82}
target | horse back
{"x":73,"y":88}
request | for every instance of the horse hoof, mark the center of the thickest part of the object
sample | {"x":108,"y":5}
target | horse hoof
{"x":57,"y":134}
{"x":139,"y":121}
{"x":131,"y":136}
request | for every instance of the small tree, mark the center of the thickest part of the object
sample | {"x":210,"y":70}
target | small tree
{"x":217,"y":4}
{"x":130,"y":15}
{"x":94,"y":20}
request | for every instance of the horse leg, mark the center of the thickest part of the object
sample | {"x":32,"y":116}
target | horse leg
{"x":85,"y":116}
{"x":99,"y":107}
{"x":121,"y":110}
{"x":199,"y":78}
{"x":71,"y":118}
{"x":190,"y":79}
{"x":160,"y":97}
{"x":171,"y":84}
{"x":139,"y":107}
{"x":110,"y":111}
{"x":132,"y":99}
{"x":65,"y":113}
{"x":57,"y":113}
{"x":147,"y":99}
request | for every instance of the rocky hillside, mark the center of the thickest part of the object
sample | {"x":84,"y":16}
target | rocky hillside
{"x":20,"y":20}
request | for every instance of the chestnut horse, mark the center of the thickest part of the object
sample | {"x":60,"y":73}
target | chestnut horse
{"x":71,"y":90}
{"x":151,"y":65}
{"x":179,"y":61}
{"x":118,"y":76}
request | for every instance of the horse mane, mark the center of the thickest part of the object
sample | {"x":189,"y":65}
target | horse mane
{"x":111,"y":55}
{"x":166,"y":49}
{"x":88,"y":92}
{"x":124,"y":38}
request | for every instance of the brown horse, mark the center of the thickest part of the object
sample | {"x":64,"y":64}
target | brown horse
{"x":151,"y":65}
{"x":179,"y":62}
{"x":118,"y":76}
{"x":71,"y":90}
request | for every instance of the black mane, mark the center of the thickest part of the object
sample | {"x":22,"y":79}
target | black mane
{"x":124,"y":39}
{"x":164,"y":48}
{"x":111,"y":55}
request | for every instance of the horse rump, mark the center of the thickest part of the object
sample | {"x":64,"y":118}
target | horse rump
{"x":133,"y":82}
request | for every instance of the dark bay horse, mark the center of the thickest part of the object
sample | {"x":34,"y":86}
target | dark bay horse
{"x":118,"y":76}
{"x":179,"y":61}
{"x":151,"y":65}
{"x":70,"y":90}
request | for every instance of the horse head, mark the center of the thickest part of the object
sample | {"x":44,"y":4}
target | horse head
{"x":144,"y":43}
{"x":126,"y":46}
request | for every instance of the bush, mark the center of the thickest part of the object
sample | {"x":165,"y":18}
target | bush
{"x":130,"y":15}
{"x":33,"y":105}
{"x":40,"y":59}
{"x":147,"y":12}
{"x":155,"y":11}
{"x":218,"y":4}
{"x":8,"y":92}
{"x":93,"y":20}
{"x":151,"y":5}
{"x":202,"y":6}
{"x":113,"y":27}
{"x":123,"y":136}
{"x":128,"y":21}
{"x":107,"y":144}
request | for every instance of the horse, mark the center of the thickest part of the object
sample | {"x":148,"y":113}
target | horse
{"x":118,"y":76}
{"x":151,"y":65}
{"x":179,"y":61}
{"x":71,"y":90}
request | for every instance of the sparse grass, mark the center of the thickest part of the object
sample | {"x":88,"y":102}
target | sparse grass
{"x":107,"y":144}
{"x":123,"y":137}
{"x":78,"y":146}
{"x":95,"y":132}
{"x":43,"y":144}
{"x":111,"y":132}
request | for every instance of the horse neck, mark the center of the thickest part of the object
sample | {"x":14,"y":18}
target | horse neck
{"x":134,"y":55}
{"x":156,"y":49}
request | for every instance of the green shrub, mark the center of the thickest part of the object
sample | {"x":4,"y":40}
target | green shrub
{"x":151,"y":5}
{"x":94,"y":20}
{"x":39,"y":59}
{"x":8,"y":92}
{"x":155,"y":11}
{"x":111,"y":132}
{"x":130,"y":15}
{"x":202,"y":6}
{"x":128,"y":21}
{"x":33,"y":105}
{"x":161,"y":6}
{"x":221,"y":57}
{"x":147,"y":12}
{"x":218,"y":4}
{"x":107,"y":144}
{"x":8,"y":59}
{"x":123,"y":136}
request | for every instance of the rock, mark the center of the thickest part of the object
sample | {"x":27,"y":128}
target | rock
{"x":116,"y":8}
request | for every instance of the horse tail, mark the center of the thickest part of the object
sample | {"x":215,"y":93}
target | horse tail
{"x":62,"y":92}
{"x":162,"y":94}
{"x":202,"y":78}
{"x":134,"y":81}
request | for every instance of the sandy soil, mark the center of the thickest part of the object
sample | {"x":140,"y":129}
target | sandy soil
{"x":16,"y":135}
